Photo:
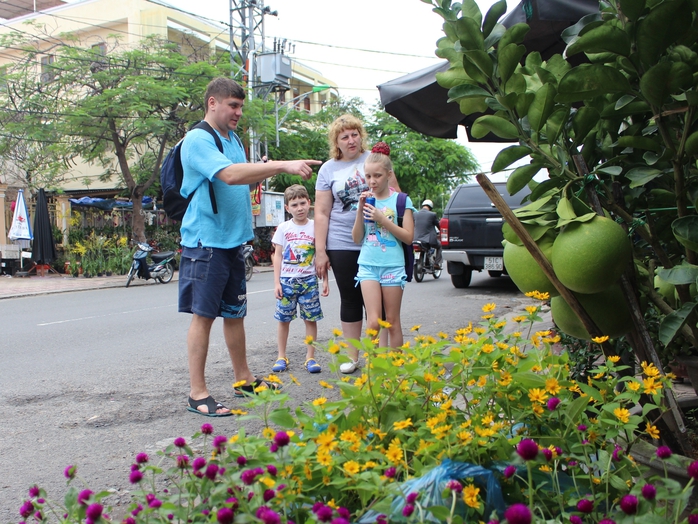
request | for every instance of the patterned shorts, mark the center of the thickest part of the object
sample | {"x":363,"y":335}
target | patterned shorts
{"x":299,"y":292}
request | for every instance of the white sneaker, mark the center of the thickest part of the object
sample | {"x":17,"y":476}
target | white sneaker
{"x":349,"y":367}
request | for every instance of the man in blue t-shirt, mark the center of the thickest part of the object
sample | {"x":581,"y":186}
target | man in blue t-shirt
{"x":212,"y":269}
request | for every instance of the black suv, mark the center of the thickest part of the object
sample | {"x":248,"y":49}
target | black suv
{"x":471,"y":232}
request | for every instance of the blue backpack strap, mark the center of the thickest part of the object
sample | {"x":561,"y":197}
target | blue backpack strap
{"x":406,"y":248}
{"x":401,"y":203}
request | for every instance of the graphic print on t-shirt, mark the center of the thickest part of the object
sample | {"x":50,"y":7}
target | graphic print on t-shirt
{"x":378,"y":236}
{"x":353,"y":187}
{"x":299,"y":251}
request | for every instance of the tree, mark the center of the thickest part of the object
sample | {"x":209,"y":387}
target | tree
{"x":120,"y":110}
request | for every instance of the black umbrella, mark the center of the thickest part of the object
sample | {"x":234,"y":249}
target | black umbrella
{"x":43,"y":249}
{"x":419,"y":102}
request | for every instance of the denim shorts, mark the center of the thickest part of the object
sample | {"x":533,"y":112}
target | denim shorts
{"x":385,"y":276}
{"x":300,"y":293}
{"x":212,"y":282}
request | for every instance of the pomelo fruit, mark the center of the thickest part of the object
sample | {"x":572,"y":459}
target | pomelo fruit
{"x":525,"y":271}
{"x":588,"y":257}
{"x":608,"y":310}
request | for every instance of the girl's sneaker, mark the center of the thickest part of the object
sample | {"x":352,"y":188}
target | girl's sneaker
{"x":349,"y":367}
{"x":280,"y":365}
{"x":312,"y":366}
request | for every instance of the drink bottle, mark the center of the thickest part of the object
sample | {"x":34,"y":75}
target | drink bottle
{"x":371,"y":201}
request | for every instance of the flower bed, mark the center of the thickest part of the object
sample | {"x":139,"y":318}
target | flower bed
{"x":482,"y":426}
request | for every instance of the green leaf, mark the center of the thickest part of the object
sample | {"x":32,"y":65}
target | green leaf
{"x":472,"y":105}
{"x":606,"y":38}
{"x":521,"y":176}
{"x":493,"y":124}
{"x":686,"y":231}
{"x":555,"y":123}
{"x":610,"y":170}
{"x":624,"y":101}
{"x":474,"y":71}
{"x":529,"y":379}
{"x":470,"y":9}
{"x":523,"y":103}
{"x":692,"y":144}
{"x":508,"y":59}
{"x":282,"y":417}
{"x":466,"y":91}
{"x":536,"y":231}
{"x":452,"y":77}
{"x":482,"y":60}
{"x":576,"y":408}
{"x":664,"y":79}
{"x":495,"y":36}
{"x":508,"y":156}
{"x":469,"y":35}
{"x":515,"y":34}
{"x":542,"y":106}
{"x":493,"y":15}
{"x":672,"y":323}
{"x":639,"y":142}
{"x":565,"y":209}
{"x":516,"y":84}
{"x":589,"y":81}
{"x":639,"y":176}
{"x":441,"y":513}
{"x":583,"y":122}
{"x":678,"y":275}
{"x":665,"y":23}
{"x":632,"y":8}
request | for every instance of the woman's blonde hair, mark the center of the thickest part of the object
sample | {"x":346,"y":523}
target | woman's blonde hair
{"x":340,"y":125}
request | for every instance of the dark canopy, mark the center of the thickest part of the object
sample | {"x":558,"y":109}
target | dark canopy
{"x":419,"y":102}
{"x":43,"y":248}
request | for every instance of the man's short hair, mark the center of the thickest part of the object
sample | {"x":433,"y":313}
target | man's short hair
{"x":295,"y":191}
{"x":221,"y":88}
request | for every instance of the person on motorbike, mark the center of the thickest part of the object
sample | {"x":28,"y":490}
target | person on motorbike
{"x":426,"y":226}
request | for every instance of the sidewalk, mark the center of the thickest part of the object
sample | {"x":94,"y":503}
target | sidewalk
{"x":13,"y":287}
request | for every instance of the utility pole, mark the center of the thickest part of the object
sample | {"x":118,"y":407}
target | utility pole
{"x":247,"y":24}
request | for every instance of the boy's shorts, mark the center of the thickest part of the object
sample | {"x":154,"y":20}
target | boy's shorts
{"x":385,"y":276}
{"x":212,"y":282}
{"x":301,"y":292}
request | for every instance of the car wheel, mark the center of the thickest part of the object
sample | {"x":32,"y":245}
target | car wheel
{"x":419,"y":270}
{"x":495,"y":274}
{"x":463,"y":280}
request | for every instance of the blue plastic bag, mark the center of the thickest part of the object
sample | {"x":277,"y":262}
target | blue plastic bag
{"x":431,"y":485}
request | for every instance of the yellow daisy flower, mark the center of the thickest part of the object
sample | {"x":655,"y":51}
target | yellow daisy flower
{"x":402,"y":424}
{"x":336,"y":332}
{"x":319,"y":401}
{"x":600,"y":340}
{"x":652,"y":431}
{"x":622,"y":414}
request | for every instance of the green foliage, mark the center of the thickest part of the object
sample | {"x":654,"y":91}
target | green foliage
{"x":628,"y":113}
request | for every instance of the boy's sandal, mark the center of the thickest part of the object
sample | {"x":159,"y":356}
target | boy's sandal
{"x":280,"y":365}
{"x":245,"y":391}
{"x":312,"y":366}
{"x":211,"y":404}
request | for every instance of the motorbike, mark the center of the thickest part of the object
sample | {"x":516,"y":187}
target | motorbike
{"x":247,"y":252}
{"x":424,"y":261}
{"x":162,"y":268}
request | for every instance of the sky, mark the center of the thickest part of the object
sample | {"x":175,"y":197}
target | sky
{"x":357,"y":44}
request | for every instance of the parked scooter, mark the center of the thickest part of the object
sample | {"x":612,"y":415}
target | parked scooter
{"x":247,"y":252}
{"x":424,"y":261}
{"x":162,"y":268}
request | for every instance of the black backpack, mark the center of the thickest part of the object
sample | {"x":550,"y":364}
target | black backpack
{"x":171,"y":175}
{"x":406,"y":248}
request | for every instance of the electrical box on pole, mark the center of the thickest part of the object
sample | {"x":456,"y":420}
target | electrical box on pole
{"x":274,"y":68}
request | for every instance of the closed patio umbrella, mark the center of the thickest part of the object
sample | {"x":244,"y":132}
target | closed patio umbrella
{"x":419,"y":102}
{"x":44,"y":248}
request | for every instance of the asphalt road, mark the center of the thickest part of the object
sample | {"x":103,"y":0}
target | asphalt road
{"x":92,"y":378}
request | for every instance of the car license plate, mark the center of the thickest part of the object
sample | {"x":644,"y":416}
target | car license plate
{"x":494,"y":264}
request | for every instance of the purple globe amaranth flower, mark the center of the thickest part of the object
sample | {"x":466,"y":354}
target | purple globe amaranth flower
{"x":412,"y":497}
{"x":629,"y":504}
{"x":454,"y":486}
{"x":241,"y":460}
{"x":518,"y":514}
{"x":617,"y":451}
{"x":136,"y":511}
{"x":142,"y":458}
{"x":34,"y":491}
{"x":323,"y":513}
{"x":553,"y":403}
{"x":170,"y":516}
{"x":182,"y":462}
{"x":155,"y":503}
{"x":211,"y":471}
{"x":282,"y":439}
{"x":135,"y":477}
{"x":664,"y":452}
{"x":582,"y":427}
{"x":527,"y":449}
{"x":150,"y":497}
{"x":649,"y":492}
{"x":180,"y":442}
{"x":219,"y":442}
{"x":271,"y":469}
{"x":84,"y":496}
{"x":26,"y":509}
{"x":199,"y":463}
{"x":693,"y":518}
{"x":558,"y":450}
{"x":493,"y":521}
{"x":94,"y":511}
{"x":382,"y":519}
{"x":248,"y":476}
{"x":585,"y":506}
{"x":509,"y":471}
{"x":268,"y":495}
{"x":340,"y":520}
{"x":268,"y":516}
{"x":390,"y":472}
{"x":548,"y":454}
{"x":407,"y":510}
{"x":273,"y":447}
{"x":135,"y":467}
{"x":693,"y":470}
{"x":343,"y":512}
{"x":206,"y":429}
{"x":129,"y":520}
{"x":225,"y":516}
{"x":69,"y":472}
{"x":576,"y":519}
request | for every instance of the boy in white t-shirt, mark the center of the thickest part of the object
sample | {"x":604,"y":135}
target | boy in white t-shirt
{"x":296,"y":282}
